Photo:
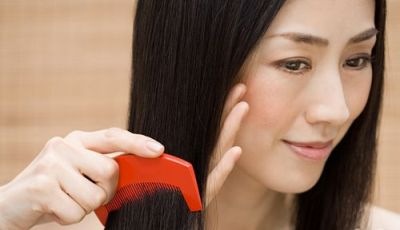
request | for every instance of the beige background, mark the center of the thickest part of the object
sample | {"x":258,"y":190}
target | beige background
{"x":65,"y":65}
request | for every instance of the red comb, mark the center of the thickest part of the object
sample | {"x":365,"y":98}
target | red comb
{"x":152,"y":173}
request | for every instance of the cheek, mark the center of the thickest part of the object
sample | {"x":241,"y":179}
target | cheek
{"x":357,"y":93}
{"x":268,"y":98}
{"x":263,"y":123}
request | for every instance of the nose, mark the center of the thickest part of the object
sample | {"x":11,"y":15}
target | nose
{"x":328,"y":101}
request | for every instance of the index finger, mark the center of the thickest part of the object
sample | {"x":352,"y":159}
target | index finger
{"x":116,"y":140}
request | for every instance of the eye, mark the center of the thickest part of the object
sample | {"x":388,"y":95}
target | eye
{"x":358,"y":63}
{"x":294,"y":66}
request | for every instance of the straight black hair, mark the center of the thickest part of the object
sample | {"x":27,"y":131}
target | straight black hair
{"x":187,"y":55}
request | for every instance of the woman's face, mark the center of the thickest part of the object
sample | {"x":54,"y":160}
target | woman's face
{"x":307,"y":81}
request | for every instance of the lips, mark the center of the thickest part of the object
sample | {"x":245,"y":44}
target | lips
{"x":316,"y":150}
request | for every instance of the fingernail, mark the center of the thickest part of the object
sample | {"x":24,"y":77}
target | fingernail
{"x":154,"y":146}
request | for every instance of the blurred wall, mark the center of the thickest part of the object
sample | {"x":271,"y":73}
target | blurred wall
{"x":65,"y":65}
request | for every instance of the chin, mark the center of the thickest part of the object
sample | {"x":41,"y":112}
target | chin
{"x":293,"y":182}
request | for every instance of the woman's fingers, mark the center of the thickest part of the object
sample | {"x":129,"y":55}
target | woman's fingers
{"x":71,"y":177}
{"x":234,"y":97}
{"x":219,"y":174}
{"x":66,"y":161}
{"x":46,"y":196}
{"x":82,"y":190}
{"x":64,"y":209}
{"x":225,"y":154}
{"x":230,"y":127}
{"x":231,"y":119}
{"x":102,"y":171}
{"x":223,"y":164}
{"x":105,"y":178}
{"x":84,"y":179}
{"x":46,"y":218}
{"x":116,"y":140}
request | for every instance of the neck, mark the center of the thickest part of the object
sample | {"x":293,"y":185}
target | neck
{"x":244,"y":203}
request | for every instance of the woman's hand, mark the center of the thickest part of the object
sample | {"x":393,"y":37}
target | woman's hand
{"x":69,"y":178}
{"x":225,"y":154}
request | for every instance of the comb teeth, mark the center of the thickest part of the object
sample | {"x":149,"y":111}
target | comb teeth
{"x":134,"y":192}
{"x":140,"y":177}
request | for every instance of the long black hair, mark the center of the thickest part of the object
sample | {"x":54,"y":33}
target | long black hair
{"x":187,"y":55}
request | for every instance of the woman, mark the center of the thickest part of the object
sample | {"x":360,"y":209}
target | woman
{"x":296,"y":88}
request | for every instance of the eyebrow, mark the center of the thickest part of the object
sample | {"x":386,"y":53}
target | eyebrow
{"x":315,"y":40}
{"x":363,"y":36}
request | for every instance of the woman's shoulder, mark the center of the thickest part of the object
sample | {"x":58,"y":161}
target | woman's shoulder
{"x":383,"y":219}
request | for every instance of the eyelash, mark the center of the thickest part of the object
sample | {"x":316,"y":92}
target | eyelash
{"x":301,"y":65}
{"x":365,"y":58}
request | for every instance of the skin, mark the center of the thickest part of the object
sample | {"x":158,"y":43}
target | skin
{"x":317,"y":104}
{"x":53,"y":186}
{"x":299,"y":90}
{"x":74,"y":175}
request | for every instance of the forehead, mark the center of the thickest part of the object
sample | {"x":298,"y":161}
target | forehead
{"x":324,"y":18}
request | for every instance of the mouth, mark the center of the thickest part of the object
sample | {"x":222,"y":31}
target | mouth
{"x":316,"y":150}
